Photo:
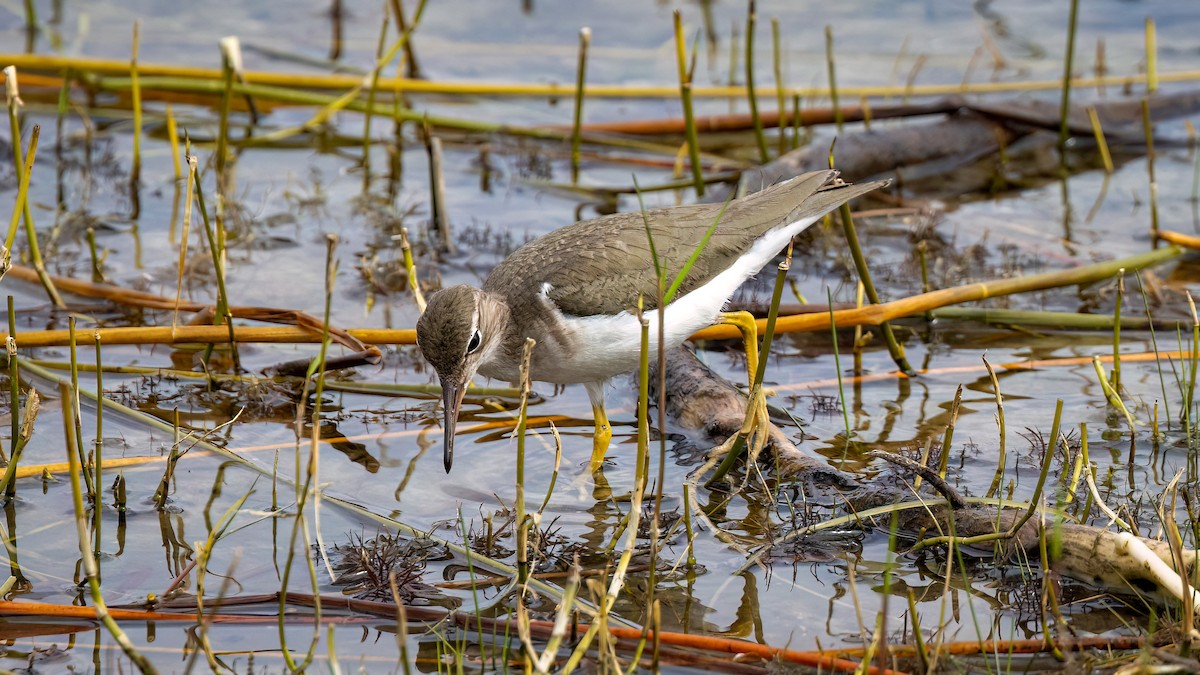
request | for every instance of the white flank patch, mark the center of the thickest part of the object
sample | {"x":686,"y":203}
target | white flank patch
{"x":609,"y":345}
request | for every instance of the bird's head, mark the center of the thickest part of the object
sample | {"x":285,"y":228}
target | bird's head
{"x":460,"y":330}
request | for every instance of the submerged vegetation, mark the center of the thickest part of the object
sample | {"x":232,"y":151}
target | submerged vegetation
{"x":965,"y":440}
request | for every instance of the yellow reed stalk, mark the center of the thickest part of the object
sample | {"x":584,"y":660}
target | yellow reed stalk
{"x":1101,"y":142}
{"x":41,"y":62}
{"x":1151,"y":56}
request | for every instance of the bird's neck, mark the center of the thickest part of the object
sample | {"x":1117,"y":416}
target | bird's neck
{"x":504,"y":350}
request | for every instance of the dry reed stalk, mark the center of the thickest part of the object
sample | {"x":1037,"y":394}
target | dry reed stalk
{"x":41,"y":62}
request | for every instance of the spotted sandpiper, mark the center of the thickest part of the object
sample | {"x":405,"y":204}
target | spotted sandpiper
{"x":574,"y":291}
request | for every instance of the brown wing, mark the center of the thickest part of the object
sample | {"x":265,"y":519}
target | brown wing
{"x":602,"y":266}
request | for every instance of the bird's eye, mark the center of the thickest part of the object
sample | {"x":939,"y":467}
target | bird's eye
{"x":473,"y":345}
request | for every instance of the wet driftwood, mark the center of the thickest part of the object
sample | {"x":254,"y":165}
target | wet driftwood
{"x":974,"y":131}
{"x":702,"y":403}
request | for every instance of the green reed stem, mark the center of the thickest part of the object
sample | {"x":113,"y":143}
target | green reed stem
{"x":522,"y":523}
{"x":831,"y":69}
{"x":1151,"y":56}
{"x":1113,"y":396}
{"x":777,"y":68}
{"x":1193,"y":364}
{"x":585,"y":39}
{"x":948,"y":436}
{"x":135,"y":175}
{"x":1162,"y":382}
{"x":837,"y":364}
{"x":24,"y":169}
{"x":1101,"y":141}
{"x":1148,"y":131}
{"x":93,"y":571}
{"x":795,"y":121}
{"x":77,"y":412}
{"x":230,"y":57}
{"x":895,"y":349}
{"x":1068,"y":68}
{"x":14,"y":396}
{"x":1116,"y":332}
{"x":173,"y":140}
{"x":215,"y":247}
{"x":685,"y":99}
{"x":751,"y":96}
{"x":369,"y":114}
{"x":98,"y":448}
{"x":94,"y":255}
{"x":1002,"y":454}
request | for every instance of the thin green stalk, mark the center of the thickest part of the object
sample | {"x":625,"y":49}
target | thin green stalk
{"x":14,"y":397}
{"x":369,"y":113}
{"x":1101,"y":140}
{"x":231,"y":55}
{"x":948,"y":436}
{"x":94,"y":255}
{"x":1068,"y":67}
{"x":585,"y":39}
{"x":77,"y":413}
{"x":1002,"y":454}
{"x":98,"y":448}
{"x":685,"y":99}
{"x":439,"y":219}
{"x":795,"y":121}
{"x":1113,"y":396}
{"x":831,"y":68}
{"x":24,"y":169}
{"x":92,"y":571}
{"x":777,"y":67}
{"x":895,"y":349}
{"x":751,"y":96}
{"x":1148,"y":131}
{"x":1116,"y":333}
{"x":215,"y":249}
{"x":1193,"y":363}
{"x":838,"y":365}
{"x":522,"y":523}
{"x":1151,"y":56}
{"x":1162,"y":383}
{"x":135,"y":175}
{"x":173,"y":139}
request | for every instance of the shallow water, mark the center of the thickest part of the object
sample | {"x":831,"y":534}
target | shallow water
{"x":391,"y":464}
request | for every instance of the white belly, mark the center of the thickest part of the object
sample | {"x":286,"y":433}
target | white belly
{"x":610,"y":345}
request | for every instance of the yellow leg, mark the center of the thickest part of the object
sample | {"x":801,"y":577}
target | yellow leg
{"x":744,"y":322}
{"x":602,"y":436}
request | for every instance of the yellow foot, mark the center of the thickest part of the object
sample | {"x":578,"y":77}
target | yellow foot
{"x":601,"y":438}
{"x":744,"y":322}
